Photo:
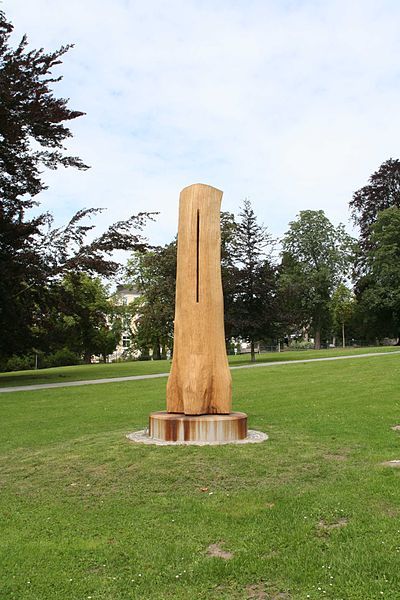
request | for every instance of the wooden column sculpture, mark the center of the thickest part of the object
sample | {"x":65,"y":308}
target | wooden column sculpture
{"x":200,"y":379}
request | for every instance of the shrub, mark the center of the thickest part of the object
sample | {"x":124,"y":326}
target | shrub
{"x":61,"y":358}
{"x":19,"y":363}
{"x":301,"y":345}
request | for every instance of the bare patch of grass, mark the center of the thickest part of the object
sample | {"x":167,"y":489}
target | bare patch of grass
{"x":215,"y":551}
{"x":389,"y":510}
{"x":258,"y":591}
{"x":326,"y":528}
{"x":335,"y":457}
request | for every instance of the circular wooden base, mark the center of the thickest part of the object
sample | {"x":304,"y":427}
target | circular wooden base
{"x":176,"y":427}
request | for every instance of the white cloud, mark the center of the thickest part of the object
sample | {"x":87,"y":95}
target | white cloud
{"x":293,"y":104}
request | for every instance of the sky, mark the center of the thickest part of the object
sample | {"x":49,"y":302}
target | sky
{"x":290,"y":103}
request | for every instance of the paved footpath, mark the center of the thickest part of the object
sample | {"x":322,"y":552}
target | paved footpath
{"x":47,"y":386}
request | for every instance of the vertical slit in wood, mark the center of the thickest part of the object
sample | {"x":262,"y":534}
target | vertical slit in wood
{"x":197,"y":255}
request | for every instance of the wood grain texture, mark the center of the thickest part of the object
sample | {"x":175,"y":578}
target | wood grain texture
{"x":171,"y":427}
{"x":200,"y":380}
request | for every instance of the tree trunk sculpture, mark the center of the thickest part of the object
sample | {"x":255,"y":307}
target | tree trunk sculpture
{"x":200,"y":380}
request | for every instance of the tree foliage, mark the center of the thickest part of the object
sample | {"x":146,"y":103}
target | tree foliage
{"x":32,"y":129}
{"x":316,"y":258}
{"x":379,"y":289}
{"x":381,"y":192}
{"x":80,"y":318}
{"x":342,"y":309}
{"x":153,"y":275}
{"x":253,"y":280}
{"x":228,"y":271}
{"x":33,"y":254}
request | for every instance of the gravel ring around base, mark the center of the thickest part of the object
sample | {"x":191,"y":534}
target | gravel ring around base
{"x":142,"y":437}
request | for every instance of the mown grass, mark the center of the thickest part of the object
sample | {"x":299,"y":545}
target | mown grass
{"x":310,"y":513}
{"x":100,"y":371}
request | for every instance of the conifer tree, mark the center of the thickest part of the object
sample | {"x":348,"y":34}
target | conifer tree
{"x":254,"y":306}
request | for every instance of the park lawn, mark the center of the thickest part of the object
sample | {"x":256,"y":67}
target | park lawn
{"x":100,"y":371}
{"x":311,"y":513}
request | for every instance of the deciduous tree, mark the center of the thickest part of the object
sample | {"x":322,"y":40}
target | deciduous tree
{"x":153,"y":274}
{"x":32,"y":135}
{"x":379,"y":289}
{"x":81,"y":318}
{"x":316,"y":258}
{"x":342,"y":308}
{"x":382,"y":191}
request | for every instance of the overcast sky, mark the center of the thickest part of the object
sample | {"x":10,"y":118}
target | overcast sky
{"x":291,"y":103}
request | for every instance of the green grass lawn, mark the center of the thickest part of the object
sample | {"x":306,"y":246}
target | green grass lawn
{"x":100,"y":371}
{"x":311,"y":513}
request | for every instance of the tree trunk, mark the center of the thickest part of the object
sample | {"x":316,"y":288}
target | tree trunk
{"x":253,"y":354}
{"x":398,"y":341}
{"x":334,"y":341}
{"x":156,"y":352}
{"x":343,"y":337}
{"x":318,"y":339}
{"x":87,"y":358}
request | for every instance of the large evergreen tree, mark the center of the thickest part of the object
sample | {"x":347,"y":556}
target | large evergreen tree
{"x":254,"y":281}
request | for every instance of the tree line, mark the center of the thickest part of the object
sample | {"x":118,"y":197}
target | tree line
{"x":55,"y":304}
{"x":323,"y":283}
